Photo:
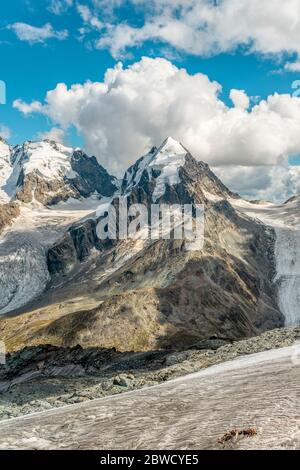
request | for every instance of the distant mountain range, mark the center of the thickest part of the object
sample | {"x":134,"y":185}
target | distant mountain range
{"x":60,"y":284}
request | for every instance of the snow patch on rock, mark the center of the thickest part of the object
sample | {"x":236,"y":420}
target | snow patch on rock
{"x":49,"y":160}
{"x":5,"y":169}
{"x":160,"y":164}
{"x":168,"y":159}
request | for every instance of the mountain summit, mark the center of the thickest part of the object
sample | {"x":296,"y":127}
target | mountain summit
{"x":171,"y":174}
{"x":163,"y":164}
{"x":48,"y":172}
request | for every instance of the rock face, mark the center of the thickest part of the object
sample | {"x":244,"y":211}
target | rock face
{"x":148,"y":294}
{"x":75,"y":247}
{"x":164,"y":297}
{"x":7,"y":214}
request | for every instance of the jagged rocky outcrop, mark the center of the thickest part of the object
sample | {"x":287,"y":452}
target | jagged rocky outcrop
{"x":75,"y":247}
{"x":163,"y":297}
{"x":8,"y":212}
{"x":186,"y":182}
{"x":165,"y":172}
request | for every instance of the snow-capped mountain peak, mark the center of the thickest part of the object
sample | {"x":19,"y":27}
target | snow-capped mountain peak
{"x":171,"y":146}
{"x":167,"y":160}
{"x":168,"y":171}
{"x":49,"y":172}
{"x":160,"y":163}
{"x":49,"y":159}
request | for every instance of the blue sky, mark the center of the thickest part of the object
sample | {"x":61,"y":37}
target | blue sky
{"x":77,"y":41}
{"x":29,"y":70}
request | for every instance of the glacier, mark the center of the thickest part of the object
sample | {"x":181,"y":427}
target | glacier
{"x":23,"y":247}
{"x":285,"y":219}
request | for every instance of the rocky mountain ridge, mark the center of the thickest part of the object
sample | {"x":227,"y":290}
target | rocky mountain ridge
{"x":146,"y":294}
{"x":165,"y":168}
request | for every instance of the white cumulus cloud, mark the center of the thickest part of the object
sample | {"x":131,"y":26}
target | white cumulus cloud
{"x":206,"y":27}
{"x":271,"y":183}
{"x":239,"y":98}
{"x":137,"y":107}
{"x":55,"y":133}
{"x":292,"y":66}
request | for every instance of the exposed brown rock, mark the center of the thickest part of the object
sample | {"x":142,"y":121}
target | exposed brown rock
{"x":7,"y":213}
